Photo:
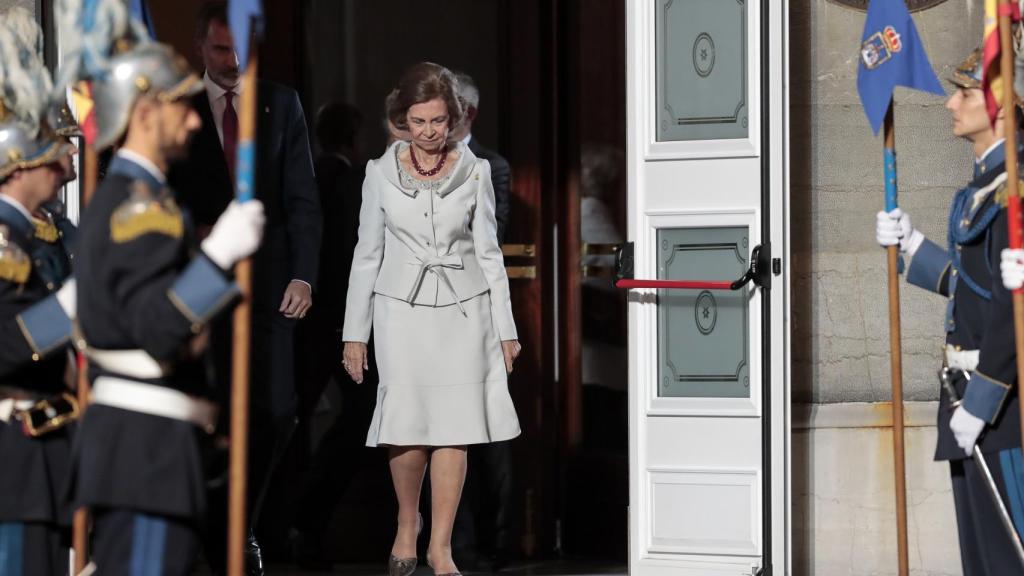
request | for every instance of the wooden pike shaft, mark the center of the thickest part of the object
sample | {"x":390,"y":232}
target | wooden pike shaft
{"x":80,"y":525}
{"x":1012,"y":180}
{"x":896,"y":353}
{"x":237,"y":501}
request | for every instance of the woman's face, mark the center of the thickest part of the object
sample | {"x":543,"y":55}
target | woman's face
{"x":428,"y":124}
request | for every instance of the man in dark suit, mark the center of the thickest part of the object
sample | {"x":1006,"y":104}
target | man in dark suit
{"x":482,"y":523}
{"x":501,"y":173}
{"x":339,"y":174}
{"x":285,"y":267}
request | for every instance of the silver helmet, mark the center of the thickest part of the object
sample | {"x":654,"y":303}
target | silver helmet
{"x":25,"y":140}
{"x":20,"y":150}
{"x":148,"y":68}
{"x":60,"y":118}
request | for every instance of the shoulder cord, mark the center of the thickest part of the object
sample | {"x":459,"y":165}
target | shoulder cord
{"x":957,"y":237}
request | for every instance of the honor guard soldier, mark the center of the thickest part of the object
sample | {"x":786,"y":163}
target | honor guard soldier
{"x":54,"y":229}
{"x":147,"y":293}
{"x":980,"y":361}
{"x":35,"y":326}
{"x":54,"y":232}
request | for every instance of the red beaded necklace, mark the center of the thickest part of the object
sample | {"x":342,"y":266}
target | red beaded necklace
{"x":433,"y":171}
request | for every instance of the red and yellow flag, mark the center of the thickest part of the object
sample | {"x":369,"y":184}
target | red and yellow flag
{"x":992,"y":81}
{"x":83,"y":103}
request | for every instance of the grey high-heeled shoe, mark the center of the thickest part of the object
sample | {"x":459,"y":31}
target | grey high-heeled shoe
{"x":405,"y":566}
{"x":401,"y":566}
{"x":446,"y":573}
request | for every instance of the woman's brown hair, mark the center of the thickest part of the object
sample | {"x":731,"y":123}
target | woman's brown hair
{"x":421,"y":83}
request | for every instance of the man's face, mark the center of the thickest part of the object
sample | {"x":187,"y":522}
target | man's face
{"x":970,"y":117}
{"x":176,"y":123}
{"x":42,"y":183}
{"x":67,"y":163}
{"x":466,"y":127}
{"x":218,"y":53}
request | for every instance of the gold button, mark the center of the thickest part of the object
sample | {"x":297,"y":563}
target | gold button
{"x":35,"y":357}
{"x":49,"y":285}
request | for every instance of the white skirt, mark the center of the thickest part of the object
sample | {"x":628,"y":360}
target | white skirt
{"x":442,"y":376}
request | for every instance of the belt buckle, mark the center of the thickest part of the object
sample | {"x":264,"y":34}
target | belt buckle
{"x":48,"y":415}
{"x":946,"y":380}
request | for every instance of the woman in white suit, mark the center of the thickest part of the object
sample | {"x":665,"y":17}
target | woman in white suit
{"x":429,"y":280}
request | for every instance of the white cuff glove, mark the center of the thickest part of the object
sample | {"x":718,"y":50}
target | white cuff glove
{"x":1012,"y":267}
{"x":67,"y":297}
{"x":236,"y":234}
{"x":966,"y":428}
{"x":894,"y":228}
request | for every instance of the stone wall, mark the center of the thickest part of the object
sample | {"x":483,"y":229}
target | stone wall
{"x":842,"y":469}
{"x":840,"y":303}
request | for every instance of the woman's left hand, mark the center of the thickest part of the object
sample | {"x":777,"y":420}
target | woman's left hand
{"x":511,"y":349}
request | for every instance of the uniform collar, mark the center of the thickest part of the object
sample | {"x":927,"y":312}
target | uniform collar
{"x":16,"y":215}
{"x":388,"y":163}
{"x":994,"y":156}
{"x":137,"y":167}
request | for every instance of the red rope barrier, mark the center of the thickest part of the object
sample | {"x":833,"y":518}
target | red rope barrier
{"x":674,"y":284}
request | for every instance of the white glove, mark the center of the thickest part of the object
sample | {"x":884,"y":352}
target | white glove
{"x":67,"y":297}
{"x":894,"y":228}
{"x":236,"y":234}
{"x":1012,"y":267}
{"x":966,"y":428}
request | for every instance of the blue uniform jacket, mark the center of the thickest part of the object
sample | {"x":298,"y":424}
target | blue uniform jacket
{"x":979,"y":314}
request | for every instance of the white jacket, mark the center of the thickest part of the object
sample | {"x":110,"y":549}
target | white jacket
{"x":429,"y":249}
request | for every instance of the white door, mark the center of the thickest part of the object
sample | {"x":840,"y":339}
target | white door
{"x":708,"y":389}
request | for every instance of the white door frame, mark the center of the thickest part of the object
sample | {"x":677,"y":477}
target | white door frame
{"x":768,"y":139}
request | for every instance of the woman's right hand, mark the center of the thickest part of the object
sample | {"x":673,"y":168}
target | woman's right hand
{"x":354,"y":360}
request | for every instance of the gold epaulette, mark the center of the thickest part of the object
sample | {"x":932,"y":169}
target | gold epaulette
{"x":1003,"y":194}
{"x":15,"y":265}
{"x":46,"y":230}
{"x":146,"y":212}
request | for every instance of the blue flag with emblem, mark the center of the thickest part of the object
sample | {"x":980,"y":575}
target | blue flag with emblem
{"x":242,"y":13}
{"x":891,"y":55}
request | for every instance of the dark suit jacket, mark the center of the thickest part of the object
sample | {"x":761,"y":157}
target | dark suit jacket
{"x":284,"y":183}
{"x":291,"y":242}
{"x":501,"y":179}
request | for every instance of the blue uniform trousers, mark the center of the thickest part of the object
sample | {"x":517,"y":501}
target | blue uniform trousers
{"x":985,"y":548}
{"x":33,"y":549}
{"x":130,"y":543}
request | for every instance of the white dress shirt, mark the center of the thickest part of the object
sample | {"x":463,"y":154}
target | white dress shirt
{"x":218,"y":102}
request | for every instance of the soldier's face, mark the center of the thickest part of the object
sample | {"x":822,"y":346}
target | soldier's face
{"x":41,"y":184}
{"x":67,"y":164}
{"x":970,"y":117}
{"x":178,"y":122}
{"x":219,"y":57}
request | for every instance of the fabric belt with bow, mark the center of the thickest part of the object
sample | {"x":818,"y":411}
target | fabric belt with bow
{"x":437,"y":265}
